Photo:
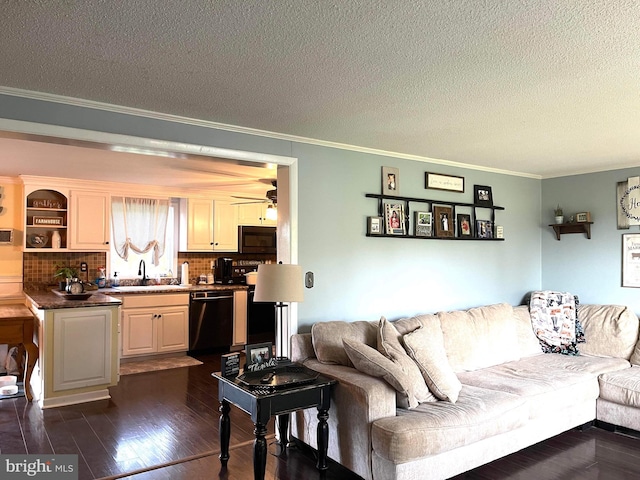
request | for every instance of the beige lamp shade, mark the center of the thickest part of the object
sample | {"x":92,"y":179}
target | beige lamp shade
{"x":278,"y":282}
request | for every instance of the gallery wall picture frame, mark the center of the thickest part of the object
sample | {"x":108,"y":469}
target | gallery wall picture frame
{"x":482,"y":196}
{"x":394,"y":219}
{"x":375,"y":226}
{"x":422,"y":225}
{"x":438,"y":181}
{"x":463,"y":221}
{"x":443,"y":221}
{"x":484,"y":229}
{"x":631,"y":260}
{"x":390,"y":181}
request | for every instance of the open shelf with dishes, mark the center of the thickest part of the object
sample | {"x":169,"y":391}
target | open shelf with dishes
{"x":46,"y":220}
{"x":458,"y":220}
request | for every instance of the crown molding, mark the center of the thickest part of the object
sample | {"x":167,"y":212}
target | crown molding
{"x":78,"y":102}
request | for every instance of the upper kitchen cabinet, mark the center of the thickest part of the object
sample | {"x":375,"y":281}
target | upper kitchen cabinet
{"x":62,"y":218}
{"x":208,"y":225}
{"x":254,"y":214}
{"x":89,"y":222}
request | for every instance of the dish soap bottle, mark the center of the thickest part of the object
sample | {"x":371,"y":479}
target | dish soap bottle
{"x":115,"y":282}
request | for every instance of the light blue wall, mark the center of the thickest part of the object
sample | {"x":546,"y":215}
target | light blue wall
{"x":358,"y":277}
{"x":590,"y":268}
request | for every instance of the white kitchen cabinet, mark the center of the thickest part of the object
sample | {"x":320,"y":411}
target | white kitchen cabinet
{"x":254,"y":214}
{"x":78,"y":358}
{"x":89,"y":220}
{"x":208,"y":225}
{"x":153,"y":324}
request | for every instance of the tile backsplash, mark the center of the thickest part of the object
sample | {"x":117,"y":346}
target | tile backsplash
{"x":38,"y":268}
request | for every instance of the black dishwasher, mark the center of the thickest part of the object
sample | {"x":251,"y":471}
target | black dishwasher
{"x":210,"y":321}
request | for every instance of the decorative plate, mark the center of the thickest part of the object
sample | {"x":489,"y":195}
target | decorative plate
{"x":37,"y":240}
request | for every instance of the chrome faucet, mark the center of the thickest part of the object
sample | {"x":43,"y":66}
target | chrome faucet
{"x":142,"y":270}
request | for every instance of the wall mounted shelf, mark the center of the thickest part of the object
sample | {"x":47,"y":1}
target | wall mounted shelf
{"x":581,"y":227}
{"x":430,"y":203}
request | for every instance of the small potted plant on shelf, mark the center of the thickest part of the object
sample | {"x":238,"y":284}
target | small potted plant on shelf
{"x":65,"y":274}
{"x":559,"y":214}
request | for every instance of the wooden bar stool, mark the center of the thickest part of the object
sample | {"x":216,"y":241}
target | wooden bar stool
{"x":17,"y":326}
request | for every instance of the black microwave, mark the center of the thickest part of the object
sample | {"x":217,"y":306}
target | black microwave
{"x":257,"y":239}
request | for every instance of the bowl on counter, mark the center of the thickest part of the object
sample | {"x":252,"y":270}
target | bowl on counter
{"x":252,"y":278}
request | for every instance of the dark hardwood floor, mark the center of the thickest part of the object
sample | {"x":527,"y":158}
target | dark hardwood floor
{"x":164,"y":425}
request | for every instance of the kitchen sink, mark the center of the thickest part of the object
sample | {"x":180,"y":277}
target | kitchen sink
{"x":144,"y":288}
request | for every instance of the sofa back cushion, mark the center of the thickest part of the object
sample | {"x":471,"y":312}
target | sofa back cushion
{"x":609,"y":331}
{"x":528,"y":343}
{"x":480,"y":337}
{"x":327,"y":339}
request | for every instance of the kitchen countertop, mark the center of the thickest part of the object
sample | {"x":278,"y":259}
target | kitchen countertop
{"x":48,"y":299}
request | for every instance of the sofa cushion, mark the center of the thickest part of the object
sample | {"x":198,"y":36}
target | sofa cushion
{"x":426,"y":347}
{"x":327,"y":339}
{"x":547,"y":380}
{"x":622,"y":387}
{"x":528,"y":343}
{"x":437,"y":427}
{"x":480,"y":337}
{"x":409,"y":384}
{"x":609,"y":330}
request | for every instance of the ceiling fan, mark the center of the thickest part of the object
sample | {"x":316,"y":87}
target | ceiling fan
{"x":270,"y":197}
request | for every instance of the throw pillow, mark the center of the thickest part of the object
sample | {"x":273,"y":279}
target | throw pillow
{"x":327,"y":339}
{"x":389,"y":345}
{"x":368,"y":360}
{"x":427,"y":350}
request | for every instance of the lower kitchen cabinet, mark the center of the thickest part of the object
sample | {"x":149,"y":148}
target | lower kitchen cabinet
{"x":153,"y":324}
{"x":78,"y":354}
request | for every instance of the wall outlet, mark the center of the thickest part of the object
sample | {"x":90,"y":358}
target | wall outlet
{"x":84,"y":267}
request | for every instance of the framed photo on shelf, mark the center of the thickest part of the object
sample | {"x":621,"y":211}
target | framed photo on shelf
{"x":443,"y":221}
{"x":583,"y":217}
{"x":422,"y":225}
{"x":374,"y":226}
{"x":437,"y":181}
{"x":394,"y":219}
{"x":484,"y":229}
{"x":259,"y":356}
{"x":463,"y":221}
{"x":482,"y":196}
{"x":390,"y":181}
{"x":631,"y":260}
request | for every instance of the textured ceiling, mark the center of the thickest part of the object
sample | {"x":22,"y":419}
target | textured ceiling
{"x":540,"y":87}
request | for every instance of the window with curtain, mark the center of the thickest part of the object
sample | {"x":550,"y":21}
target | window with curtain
{"x":143,"y":229}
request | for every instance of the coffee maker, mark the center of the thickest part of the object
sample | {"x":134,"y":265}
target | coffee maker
{"x":224,"y":270}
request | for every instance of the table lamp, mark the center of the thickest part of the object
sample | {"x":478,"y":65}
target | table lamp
{"x":282,"y":284}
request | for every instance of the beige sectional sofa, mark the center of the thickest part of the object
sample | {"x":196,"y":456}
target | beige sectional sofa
{"x":484,"y":388}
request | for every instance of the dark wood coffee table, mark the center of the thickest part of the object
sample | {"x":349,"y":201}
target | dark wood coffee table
{"x":262,"y":404}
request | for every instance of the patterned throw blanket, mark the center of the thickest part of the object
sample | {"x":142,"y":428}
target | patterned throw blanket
{"x":554,"y":319}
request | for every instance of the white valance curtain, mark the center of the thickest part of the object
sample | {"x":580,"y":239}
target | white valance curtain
{"x":139,"y":224}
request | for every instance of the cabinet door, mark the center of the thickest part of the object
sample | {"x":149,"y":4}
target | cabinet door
{"x":82,"y":348}
{"x":89,"y":220}
{"x":240,"y":317}
{"x":250,"y":214}
{"x":139,"y":332}
{"x":199,"y":225}
{"x":225,"y":227}
{"x":173,"y":329}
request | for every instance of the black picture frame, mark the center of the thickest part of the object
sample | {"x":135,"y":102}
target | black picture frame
{"x":463,"y":221}
{"x":482,"y":196}
{"x":259,"y":356}
{"x":484,"y":229}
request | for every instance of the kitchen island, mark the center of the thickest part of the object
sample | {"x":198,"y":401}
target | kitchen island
{"x":78,"y":343}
